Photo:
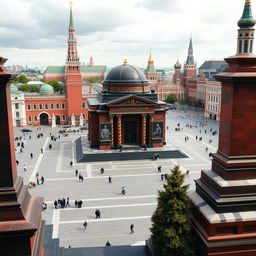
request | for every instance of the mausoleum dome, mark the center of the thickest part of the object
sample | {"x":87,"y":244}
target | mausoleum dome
{"x":126,"y":79}
{"x":47,"y":89}
{"x":14,"y":88}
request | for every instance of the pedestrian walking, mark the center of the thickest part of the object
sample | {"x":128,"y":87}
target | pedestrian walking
{"x":162,"y":176}
{"x":67,"y":203}
{"x":76,"y":203}
{"x":55,"y":204}
{"x":17,"y":162}
{"x":42,"y":180}
{"x":159,"y":168}
{"x":76,"y":172}
{"x":97,"y":214}
{"x":71,"y":163}
{"x":109,"y":179}
{"x":102,"y":170}
{"x":42,"y":151}
{"x":31,"y":155}
{"x":85,"y":225}
{"x":108,"y":243}
{"x":37,"y":178}
{"x":206,"y":149}
{"x":25,"y":168}
{"x":132,"y":229}
{"x":80,"y":177}
{"x":165,"y":176}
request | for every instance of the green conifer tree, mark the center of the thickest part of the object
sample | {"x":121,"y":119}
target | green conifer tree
{"x":171,"y":228}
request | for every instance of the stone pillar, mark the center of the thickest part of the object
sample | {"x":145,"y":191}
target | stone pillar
{"x":53,"y":121}
{"x":81,"y":120}
{"x":112,"y":131}
{"x":144,"y":131}
{"x":20,"y":214}
{"x":150,"y":129}
{"x":73,"y":120}
{"x":119,"y":129}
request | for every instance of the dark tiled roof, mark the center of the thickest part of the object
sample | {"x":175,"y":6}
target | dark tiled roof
{"x":217,"y":65}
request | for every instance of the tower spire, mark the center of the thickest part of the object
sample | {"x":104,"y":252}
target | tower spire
{"x":71,"y":21}
{"x":246,"y":31}
{"x":150,"y":60}
{"x":190,"y":58}
{"x":72,"y":54}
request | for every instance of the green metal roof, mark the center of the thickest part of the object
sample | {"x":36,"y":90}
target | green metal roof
{"x":99,"y":68}
{"x":150,"y":69}
{"x":84,"y":69}
{"x":55,"y":69}
{"x":71,"y":21}
{"x":46,"y":88}
{"x":247,"y":20}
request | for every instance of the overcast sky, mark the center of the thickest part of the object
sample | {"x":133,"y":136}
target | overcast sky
{"x":34,"y":32}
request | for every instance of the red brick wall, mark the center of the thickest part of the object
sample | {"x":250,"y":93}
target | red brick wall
{"x":237,"y":124}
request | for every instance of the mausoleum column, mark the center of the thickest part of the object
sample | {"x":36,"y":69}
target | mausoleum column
{"x":112,"y":130}
{"x":119,"y":129}
{"x":144,"y":131}
{"x":150,"y":129}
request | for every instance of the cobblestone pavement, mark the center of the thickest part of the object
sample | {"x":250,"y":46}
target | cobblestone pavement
{"x":118,"y":212}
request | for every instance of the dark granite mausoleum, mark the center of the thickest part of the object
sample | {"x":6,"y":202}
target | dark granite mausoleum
{"x":126,"y":112}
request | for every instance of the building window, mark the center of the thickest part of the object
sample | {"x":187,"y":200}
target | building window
{"x":251,"y":43}
{"x":46,"y":106}
{"x":34,"y":106}
{"x":35,"y":118}
{"x":83,"y":105}
{"x":245,"y":46}
{"x":57,"y":106}
{"x":240,"y":46}
{"x":29,"y":119}
{"x":17,"y":114}
{"x":29,"y":106}
{"x":40,"y":106}
{"x":63,"y":117}
{"x":52,"y":106}
{"x":63,"y":106}
{"x":16,"y":105}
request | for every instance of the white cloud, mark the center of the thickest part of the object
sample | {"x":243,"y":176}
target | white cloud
{"x":116,"y":29}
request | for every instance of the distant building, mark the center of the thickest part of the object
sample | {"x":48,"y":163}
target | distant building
{"x":50,"y":108}
{"x":212,"y":87}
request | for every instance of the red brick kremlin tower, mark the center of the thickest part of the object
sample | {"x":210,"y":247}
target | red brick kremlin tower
{"x":73,"y":76}
{"x":190,"y":72}
{"x":224,"y":204}
{"x":21,"y":227}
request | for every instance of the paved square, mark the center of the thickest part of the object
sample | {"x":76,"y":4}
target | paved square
{"x":118,"y":212}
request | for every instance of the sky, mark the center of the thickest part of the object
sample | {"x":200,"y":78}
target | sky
{"x":34,"y":32}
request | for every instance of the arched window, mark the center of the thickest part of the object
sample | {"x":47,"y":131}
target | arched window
{"x":240,"y":46}
{"x":245,"y":46}
{"x":251,"y":42}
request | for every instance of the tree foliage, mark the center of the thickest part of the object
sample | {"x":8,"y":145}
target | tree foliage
{"x":93,"y":79}
{"x":29,"y":88}
{"x":171,"y":228}
{"x":198,"y":104}
{"x":186,"y":101}
{"x":23,"y":79}
{"x":171,"y":98}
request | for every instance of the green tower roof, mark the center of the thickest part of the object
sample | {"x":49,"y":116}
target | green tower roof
{"x":247,"y":21}
{"x":71,"y":21}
